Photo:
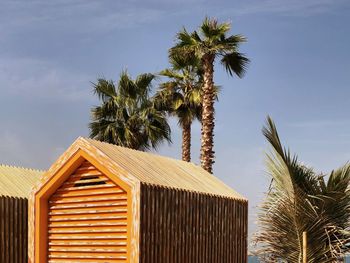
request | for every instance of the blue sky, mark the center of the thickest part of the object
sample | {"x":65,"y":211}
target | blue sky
{"x":299,"y":74}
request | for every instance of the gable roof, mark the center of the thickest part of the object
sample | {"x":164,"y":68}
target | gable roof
{"x":16,"y":181}
{"x":162,"y":171}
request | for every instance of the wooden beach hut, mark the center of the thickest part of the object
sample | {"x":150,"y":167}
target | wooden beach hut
{"x":15,"y":186}
{"x":103,"y":203}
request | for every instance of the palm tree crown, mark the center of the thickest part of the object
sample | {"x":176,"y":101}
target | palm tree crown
{"x":127,"y":116}
{"x":212,"y":41}
{"x":207,"y":44}
{"x":181,"y":96}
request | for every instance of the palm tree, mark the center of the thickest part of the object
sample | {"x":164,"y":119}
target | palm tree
{"x":127,"y":116}
{"x":181,"y":96}
{"x":209,"y":43}
{"x":300,"y":200}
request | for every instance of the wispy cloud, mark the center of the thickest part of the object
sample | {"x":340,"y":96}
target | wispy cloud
{"x":20,"y":150}
{"x":318,"y":123}
{"x":287,"y":7}
{"x":28,"y":77}
{"x":75,"y":15}
{"x":15,"y":151}
{"x":10,"y":147}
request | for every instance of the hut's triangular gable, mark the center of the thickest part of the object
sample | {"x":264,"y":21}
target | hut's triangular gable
{"x":78,"y":153}
{"x":81,"y":150}
{"x":142,"y":167}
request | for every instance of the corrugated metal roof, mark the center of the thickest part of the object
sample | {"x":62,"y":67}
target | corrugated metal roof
{"x":16,"y":181}
{"x":163,"y":171}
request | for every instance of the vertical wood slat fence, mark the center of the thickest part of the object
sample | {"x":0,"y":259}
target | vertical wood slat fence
{"x":13,"y":230}
{"x":181,"y":226}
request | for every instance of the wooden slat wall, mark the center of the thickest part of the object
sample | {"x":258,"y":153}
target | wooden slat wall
{"x":13,"y":230}
{"x":88,"y":219}
{"x":187,"y":227}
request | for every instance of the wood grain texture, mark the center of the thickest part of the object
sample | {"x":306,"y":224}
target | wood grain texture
{"x":88,"y":219}
{"x":181,"y":214}
{"x":167,"y":172}
{"x":17,"y":181}
{"x":181,"y":226}
{"x":82,"y":149}
{"x":13,"y":226}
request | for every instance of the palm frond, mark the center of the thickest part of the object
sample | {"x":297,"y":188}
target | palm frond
{"x":232,"y":43}
{"x":144,"y":83}
{"x":300,"y":200}
{"x":126,"y":87}
{"x":171,"y":73}
{"x":214,"y":30}
{"x":235,"y":63}
{"x":180,"y":61}
{"x":104,"y":89}
{"x":127,"y":116}
{"x":181,"y":96}
{"x":185,"y":38}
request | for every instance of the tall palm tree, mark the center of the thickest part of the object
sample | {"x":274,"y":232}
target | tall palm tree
{"x":127,"y":116}
{"x":208,"y":44}
{"x":300,"y":200}
{"x":181,"y":96}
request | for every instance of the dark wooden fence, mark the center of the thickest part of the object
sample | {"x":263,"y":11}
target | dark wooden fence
{"x":13,"y":230}
{"x":181,"y":226}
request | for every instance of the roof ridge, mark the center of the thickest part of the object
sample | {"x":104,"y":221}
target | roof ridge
{"x":151,"y":153}
{"x":22,"y":168}
{"x":155,"y":169}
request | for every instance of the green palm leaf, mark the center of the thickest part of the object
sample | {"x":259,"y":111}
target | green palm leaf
{"x":181,"y":95}
{"x":210,"y":42}
{"x":127,"y":116}
{"x":300,"y":200}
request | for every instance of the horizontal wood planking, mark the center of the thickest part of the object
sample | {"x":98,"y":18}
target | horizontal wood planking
{"x":88,"y":219}
{"x":187,"y":227}
{"x":14,"y":228}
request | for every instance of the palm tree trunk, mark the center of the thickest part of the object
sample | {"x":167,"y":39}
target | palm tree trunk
{"x":207,"y":141}
{"x":186,"y":142}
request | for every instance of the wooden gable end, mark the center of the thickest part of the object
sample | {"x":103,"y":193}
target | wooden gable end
{"x":88,"y":219}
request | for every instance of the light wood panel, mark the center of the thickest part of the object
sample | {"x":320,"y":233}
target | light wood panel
{"x":87,"y":219}
{"x":154,"y":169}
{"x":129,"y":169}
